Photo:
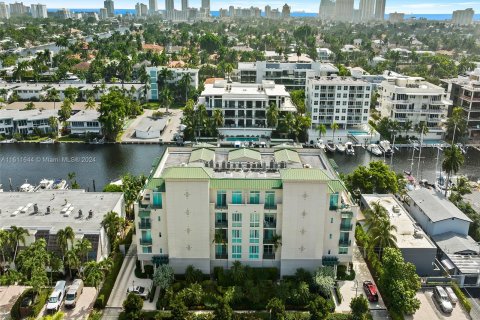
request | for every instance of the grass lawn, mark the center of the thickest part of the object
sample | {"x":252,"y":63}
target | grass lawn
{"x":151,"y":105}
{"x":71,"y":139}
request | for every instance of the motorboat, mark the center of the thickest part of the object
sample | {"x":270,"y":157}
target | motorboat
{"x":44,"y":184}
{"x":48,"y":141}
{"x":330,"y":146}
{"x":320,"y":145}
{"x":8,"y":141}
{"x":349,"y":149}
{"x":340,"y":147}
{"x":97,"y":141}
{"x":27,"y":187}
{"x":441,"y":183}
{"x":59,"y":184}
{"x":462,"y":148}
{"x":386,"y":148}
{"x":374,"y":149}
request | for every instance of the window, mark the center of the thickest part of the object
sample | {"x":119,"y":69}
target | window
{"x":342,"y":250}
{"x":334,"y":201}
{"x":270,"y":199}
{"x":159,"y":218}
{"x":331,"y":220}
{"x":236,"y":219}
{"x":236,"y":236}
{"x":221,"y":219}
{"x":221,"y":198}
{"x":253,"y":252}
{"x":330,"y":236}
{"x":254,"y":236}
{"x":146,"y":249}
{"x":237,"y":197}
{"x":254,"y":220}
{"x":254,"y":197}
{"x":236,"y":252}
{"x":157,"y":200}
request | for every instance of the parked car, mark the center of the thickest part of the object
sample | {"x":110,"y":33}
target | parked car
{"x":139,"y":291}
{"x":451,"y":295}
{"x":73,"y":293}
{"x":371,"y":291}
{"x":441,"y":296}
{"x":55,"y":300}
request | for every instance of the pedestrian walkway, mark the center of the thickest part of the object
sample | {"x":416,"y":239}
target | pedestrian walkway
{"x":119,"y":291}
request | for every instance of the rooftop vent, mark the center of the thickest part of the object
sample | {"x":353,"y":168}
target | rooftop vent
{"x":80,"y":213}
{"x":35,"y":208}
{"x":48,"y":210}
{"x":90,"y":214}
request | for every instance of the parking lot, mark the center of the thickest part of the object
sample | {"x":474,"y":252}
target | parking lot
{"x":82,"y":309}
{"x":429,"y":309}
{"x":8,"y":296}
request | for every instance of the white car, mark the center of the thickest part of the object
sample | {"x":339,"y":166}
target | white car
{"x":139,"y":291}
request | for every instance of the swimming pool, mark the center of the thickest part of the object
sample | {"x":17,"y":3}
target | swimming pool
{"x":433,"y":142}
{"x":241,"y":139}
{"x":358,"y":132}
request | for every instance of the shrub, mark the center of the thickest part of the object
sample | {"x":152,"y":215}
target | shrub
{"x":461,"y":297}
{"x":109,"y":282}
{"x":338,"y":316}
{"x":338,"y":294}
{"x":100,"y":302}
{"x":35,"y":308}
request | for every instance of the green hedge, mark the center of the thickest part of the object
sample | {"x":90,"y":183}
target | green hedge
{"x":37,"y":306}
{"x":109,"y":282}
{"x":148,"y":274}
{"x":339,"y":316}
{"x":461,"y":297}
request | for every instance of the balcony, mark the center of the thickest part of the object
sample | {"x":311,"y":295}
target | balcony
{"x":144,"y":225}
{"x":221,"y":206}
{"x":160,"y":259}
{"x":269,"y":206}
{"x":221,"y":223}
{"x":270,"y":224}
{"x":145,"y":242}
{"x":344,"y":243}
{"x":346,"y":227}
{"x":221,"y":255}
{"x":268,"y":256}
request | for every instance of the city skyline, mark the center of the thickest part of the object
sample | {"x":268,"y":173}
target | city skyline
{"x":405,"y":6}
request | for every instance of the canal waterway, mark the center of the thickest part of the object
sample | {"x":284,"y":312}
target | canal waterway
{"x":104,"y":163}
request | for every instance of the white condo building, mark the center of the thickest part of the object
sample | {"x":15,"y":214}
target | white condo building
{"x":463,"y":17}
{"x":380,"y":9}
{"x":177,"y":75}
{"x":367,"y":10}
{"x":343,"y":100}
{"x":210,"y":207}
{"x":38,"y":11}
{"x":141,"y":9}
{"x":153,"y":6}
{"x":327,"y":10}
{"x":293,"y":75}
{"x":396,"y":17}
{"x":4,"y":11}
{"x":25,"y":122}
{"x":344,"y":10}
{"x":404,"y":98}
{"x":244,"y":105}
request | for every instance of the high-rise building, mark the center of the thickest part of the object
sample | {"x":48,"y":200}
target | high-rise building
{"x":205,"y":9}
{"x":153,"y":6}
{"x":64,"y":13}
{"x":18,"y":9}
{"x":103,"y":14}
{"x":344,"y":10}
{"x":38,"y":11}
{"x":327,"y":10}
{"x":4,"y":11}
{"x":380,"y":9}
{"x":184,"y":5}
{"x":286,"y":11}
{"x":367,"y":10}
{"x":268,"y":11}
{"x":108,"y":4}
{"x":231,"y":11}
{"x":396,"y":17}
{"x":141,"y":9}
{"x":169,"y":6}
{"x":463,"y":17}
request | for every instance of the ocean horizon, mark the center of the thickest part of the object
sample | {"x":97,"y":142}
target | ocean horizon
{"x":433,"y":16}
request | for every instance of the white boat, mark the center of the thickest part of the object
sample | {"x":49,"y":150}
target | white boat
{"x":349,"y":149}
{"x":330,"y":146}
{"x":97,"y":141}
{"x":462,"y":148}
{"x":320,"y":145}
{"x":8,"y":141}
{"x":386,"y":148}
{"x":27,"y":187}
{"x":1,"y":188}
{"x":48,"y":141}
{"x":441,"y":182}
{"x":59,"y":184}
{"x":374,"y":149}
{"x":44,"y":184}
{"x":340,"y":147}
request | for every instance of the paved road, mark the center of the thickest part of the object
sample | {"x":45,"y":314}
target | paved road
{"x":119,"y":291}
{"x":429,"y":309}
{"x":82,"y":309}
{"x":8,"y":296}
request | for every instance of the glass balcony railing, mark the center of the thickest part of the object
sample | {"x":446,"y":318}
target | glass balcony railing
{"x":270,"y":206}
{"x":344,"y":243}
{"x":144,"y":225}
{"x":221,"y":223}
{"x":270,"y":224}
{"x":346,"y":227}
{"x":221,"y":206}
{"x":145,"y":242}
{"x":268,"y":256}
{"x":221,"y":255}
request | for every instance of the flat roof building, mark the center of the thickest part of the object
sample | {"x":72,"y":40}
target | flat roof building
{"x":196,"y":196}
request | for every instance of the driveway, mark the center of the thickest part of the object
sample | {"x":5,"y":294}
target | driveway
{"x":82,"y":309}
{"x":8,"y":296}
{"x":430,"y":310}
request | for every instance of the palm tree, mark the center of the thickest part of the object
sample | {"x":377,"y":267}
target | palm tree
{"x":382,"y":234}
{"x":201,"y":117}
{"x":290,"y":123}
{"x":277,"y":241}
{"x":90,"y":105}
{"x":166,"y":98}
{"x":63,"y":236}
{"x":83,"y":247}
{"x":20,"y":70}
{"x":93,"y":273}
{"x":18,"y":235}
{"x":217,"y":117}
{"x":462,"y":186}
{"x":53,"y":123}
{"x":71,"y":259}
{"x":407,"y":126}
{"x":112,"y":225}
{"x":5,"y":239}
{"x":334,"y":126}
{"x":53,"y":95}
{"x":374,"y":214}
{"x":163,"y":76}
{"x":185,"y":82}
{"x":321,"y":129}
{"x":272,"y":115}
{"x":452,"y":162}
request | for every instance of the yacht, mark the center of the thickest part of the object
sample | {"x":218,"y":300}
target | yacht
{"x":44,"y":184}
{"x":48,"y":141}
{"x":27,"y":187}
{"x":349,"y":148}
{"x":386,"y":148}
{"x":320,"y":145}
{"x":340,"y":147}
{"x":374,"y":149}
{"x":441,"y":182}
{"x":330,"y":146}
{"x":97,"y":141}
{"x":59,"y":184}
{"x":8,"y":141}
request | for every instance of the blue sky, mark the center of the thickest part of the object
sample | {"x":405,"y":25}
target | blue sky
{"x":406,"y":6}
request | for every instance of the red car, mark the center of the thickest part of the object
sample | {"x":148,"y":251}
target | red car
{"x":371,"y":291}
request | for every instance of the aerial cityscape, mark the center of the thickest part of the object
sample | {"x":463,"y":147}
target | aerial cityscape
{"x":239,"y":161}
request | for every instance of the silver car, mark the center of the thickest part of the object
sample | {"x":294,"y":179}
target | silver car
{"x":139,"y":291}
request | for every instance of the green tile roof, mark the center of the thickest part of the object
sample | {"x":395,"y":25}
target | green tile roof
{"x":254,"y":184}
{"x":157,"y":184}
{"x":304,"y":174}
{"x":287,"y":155}
{"x":202,"y":154}
{"x":244,"y":155}
{"x":187,"y":173}
{"x":336,"y":186}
